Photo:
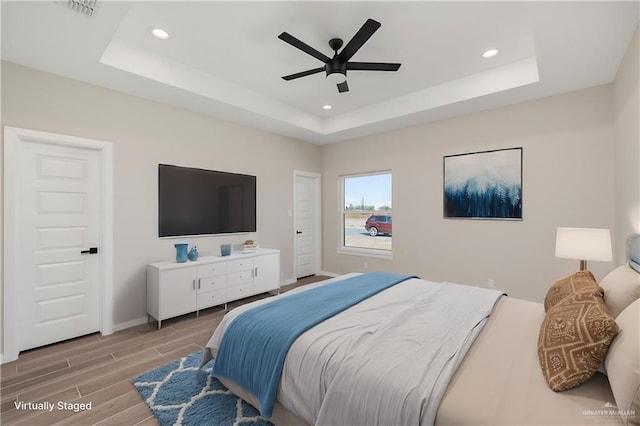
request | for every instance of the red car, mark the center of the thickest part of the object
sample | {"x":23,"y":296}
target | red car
{"x":378,"y":224}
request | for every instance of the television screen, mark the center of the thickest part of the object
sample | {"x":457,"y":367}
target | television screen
{"x":200,"y":202}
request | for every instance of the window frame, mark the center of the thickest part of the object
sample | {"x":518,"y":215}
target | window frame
{"x":359,"y":251}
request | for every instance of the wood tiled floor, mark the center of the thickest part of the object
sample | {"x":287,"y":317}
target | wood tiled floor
{"x":98,"y":369}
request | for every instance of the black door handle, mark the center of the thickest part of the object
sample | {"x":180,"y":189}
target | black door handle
{"x":92,"y":250}
{"x":298,"y":232}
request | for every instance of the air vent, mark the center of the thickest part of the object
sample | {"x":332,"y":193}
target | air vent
{"x":85,"y":7}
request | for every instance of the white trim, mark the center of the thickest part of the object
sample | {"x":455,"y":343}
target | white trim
{"x":318,"y":221}
{"x":351,"y":250}
{"x":329,"y":274}
{"x":107,"y":239}
{"x":366,"y":252}
{"x":10,"y":343}
{"x":129,"y":324}
{"x":12,"y":149}
{"x":288,"y":282}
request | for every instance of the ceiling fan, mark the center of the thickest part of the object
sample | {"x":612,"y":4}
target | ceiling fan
{"x":336,"y":68}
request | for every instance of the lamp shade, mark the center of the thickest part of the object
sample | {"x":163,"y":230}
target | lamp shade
{"x":584,"y":244}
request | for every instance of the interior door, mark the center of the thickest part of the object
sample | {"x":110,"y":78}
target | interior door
{"x":305,"y":220}
{"x":59,"y":281}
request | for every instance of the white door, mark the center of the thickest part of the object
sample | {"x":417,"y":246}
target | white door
{"x":58,"y":286}
{"x":306,"y":225}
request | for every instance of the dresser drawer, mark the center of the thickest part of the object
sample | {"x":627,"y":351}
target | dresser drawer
{"x":218,"y":282}
{"x":212,"y":269}
{"x":240,"y":291}
{"x":211,"y":298}
{"x":238,"y":278}
{"x":240,"y":265}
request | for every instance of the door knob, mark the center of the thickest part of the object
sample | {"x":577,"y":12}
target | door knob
{"x":92,"y":250}
{"x":298,"y":232}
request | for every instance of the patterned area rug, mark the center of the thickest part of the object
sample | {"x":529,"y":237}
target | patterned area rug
{"x":180,"y":394}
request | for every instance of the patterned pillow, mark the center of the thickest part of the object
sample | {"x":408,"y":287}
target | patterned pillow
{"x":574,"y":339}
{"x":567,"y":286}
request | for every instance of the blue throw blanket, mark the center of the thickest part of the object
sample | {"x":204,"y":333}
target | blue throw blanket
{"x":255,"y":344}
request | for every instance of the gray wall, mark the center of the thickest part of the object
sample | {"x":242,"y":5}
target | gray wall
{"x":626,"y":91}
{"x":568,"y":158}
{"x":145,"y":133}
{"x":581,"y":168}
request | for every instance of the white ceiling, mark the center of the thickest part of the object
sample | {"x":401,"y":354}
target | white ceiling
{"x":224,"y":58}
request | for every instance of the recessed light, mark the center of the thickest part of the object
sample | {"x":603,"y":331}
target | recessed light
{"x":160,"y":33}
{"x":490,"y":53}
{"x":326,"y":107}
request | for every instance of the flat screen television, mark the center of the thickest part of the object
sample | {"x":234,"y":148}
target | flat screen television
{"x":200,"y":202}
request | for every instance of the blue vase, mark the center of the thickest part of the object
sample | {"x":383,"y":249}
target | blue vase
{"x":181,"y":252}
{"x":193,"y":253}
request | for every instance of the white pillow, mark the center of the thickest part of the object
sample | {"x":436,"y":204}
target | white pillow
{"x":623,"y":364}
{"x":621,"y":287}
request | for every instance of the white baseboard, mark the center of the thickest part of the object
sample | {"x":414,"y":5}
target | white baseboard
{"x":293,"y":280}
{"x":287,"y":282}
{"x":129,"y":324}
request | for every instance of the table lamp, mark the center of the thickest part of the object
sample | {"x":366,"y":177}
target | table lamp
{"x":584,"y":244}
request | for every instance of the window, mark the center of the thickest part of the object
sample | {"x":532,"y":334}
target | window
{"x":367,"y":214}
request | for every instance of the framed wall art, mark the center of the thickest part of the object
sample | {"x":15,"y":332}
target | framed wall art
{"x":484,"y":185}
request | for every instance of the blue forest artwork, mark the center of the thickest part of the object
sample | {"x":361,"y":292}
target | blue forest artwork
{"x":484,"y":185}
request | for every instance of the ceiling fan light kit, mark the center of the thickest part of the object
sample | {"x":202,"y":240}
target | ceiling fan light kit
{"x":336,"y":67}
{"x":337,"y":77}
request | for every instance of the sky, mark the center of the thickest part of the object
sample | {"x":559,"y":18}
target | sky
{"x":485,"y":169}
{"x":376,"y":190}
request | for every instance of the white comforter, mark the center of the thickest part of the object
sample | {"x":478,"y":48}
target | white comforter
{"x":386,"y":360}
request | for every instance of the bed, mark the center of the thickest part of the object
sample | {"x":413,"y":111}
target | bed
{"x":495,"y":379}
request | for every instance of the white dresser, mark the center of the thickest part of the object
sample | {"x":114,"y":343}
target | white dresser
{"x":179,"y":288}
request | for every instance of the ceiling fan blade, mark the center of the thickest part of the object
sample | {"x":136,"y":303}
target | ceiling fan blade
{"x":288,"y":38}
{"x":372,"y":66}
{"x":361,"y":37}
{"x":303,"y":73}
{"x":343,"y":87}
